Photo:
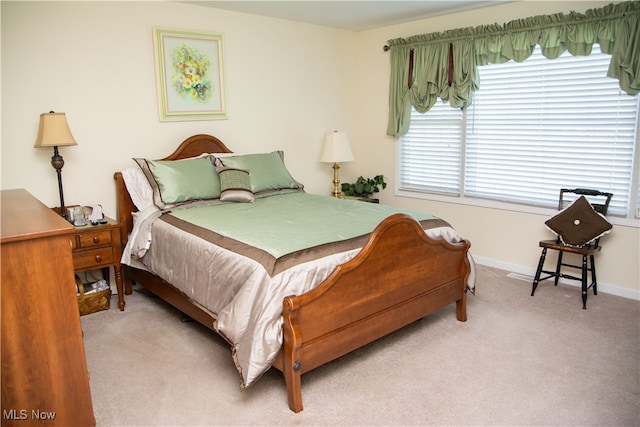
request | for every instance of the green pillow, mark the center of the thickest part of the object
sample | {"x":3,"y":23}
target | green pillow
{"x":185,"y":180}
{"x":268,"y":171}
{"x":235,"y":185}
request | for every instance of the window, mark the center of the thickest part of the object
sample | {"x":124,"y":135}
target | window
{"x":533,"y":128}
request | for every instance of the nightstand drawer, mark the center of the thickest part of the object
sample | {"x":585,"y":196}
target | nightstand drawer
{"x":97,"y":238}
{"x":93,"y":258}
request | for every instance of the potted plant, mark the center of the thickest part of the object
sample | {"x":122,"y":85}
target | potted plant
{"x":364,"y":187}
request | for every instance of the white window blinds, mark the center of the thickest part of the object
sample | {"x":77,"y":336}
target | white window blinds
{"x":533,"y":128}
{"x":431,"y":152}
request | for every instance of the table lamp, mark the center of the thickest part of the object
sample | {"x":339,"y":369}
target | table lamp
{"x":54,"y":132}
{"x":336,"y":150}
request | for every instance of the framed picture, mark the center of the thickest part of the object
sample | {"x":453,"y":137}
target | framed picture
{"x":189,"y":74}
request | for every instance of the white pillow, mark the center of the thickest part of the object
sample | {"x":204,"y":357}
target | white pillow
{"x":138,"y":187}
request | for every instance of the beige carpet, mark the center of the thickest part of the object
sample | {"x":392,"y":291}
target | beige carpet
{"x":518,"y":360}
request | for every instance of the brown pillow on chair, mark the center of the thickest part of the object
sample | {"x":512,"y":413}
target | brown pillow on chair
{"x":578,"y":224}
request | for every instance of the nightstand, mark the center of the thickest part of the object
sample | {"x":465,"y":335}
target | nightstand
{"x":362,"y":199}
{"x":99,"y":247}
{"x":369,"y":200}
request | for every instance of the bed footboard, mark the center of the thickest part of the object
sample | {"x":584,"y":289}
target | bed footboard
{"x":399,"y":276}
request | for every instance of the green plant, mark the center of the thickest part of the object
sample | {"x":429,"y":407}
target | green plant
{"x":363,"y":187}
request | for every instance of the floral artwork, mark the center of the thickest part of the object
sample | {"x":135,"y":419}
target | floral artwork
{"x":189,"y":71}
{"x":189,"y":77}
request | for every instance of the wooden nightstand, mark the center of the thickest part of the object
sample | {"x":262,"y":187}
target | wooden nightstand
{"x":362,"y":199}
{"x":100,"y":247}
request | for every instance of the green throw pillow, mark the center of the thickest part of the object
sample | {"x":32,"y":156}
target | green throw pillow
{"x":185,"y":180}
{"x":268,"y":171}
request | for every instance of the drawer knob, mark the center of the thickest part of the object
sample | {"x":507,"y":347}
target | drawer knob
{"x":96,"y":239}
{"x":98,"y":258}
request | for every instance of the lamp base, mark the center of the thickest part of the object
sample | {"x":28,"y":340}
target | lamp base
{"x":58,"y":162}
{"x":336,"y":182}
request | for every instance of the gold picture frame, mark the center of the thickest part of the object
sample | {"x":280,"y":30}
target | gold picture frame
{"x":189,"y":75}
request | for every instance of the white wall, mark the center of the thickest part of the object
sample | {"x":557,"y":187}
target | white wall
{"x":502,"y":238}
{"x":287,"y":83}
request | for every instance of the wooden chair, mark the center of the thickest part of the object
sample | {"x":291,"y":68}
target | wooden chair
{"x":600,"y":203}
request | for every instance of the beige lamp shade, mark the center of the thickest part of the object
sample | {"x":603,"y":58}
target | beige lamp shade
{"x":336,"y":148}
{"x":54,"y":131}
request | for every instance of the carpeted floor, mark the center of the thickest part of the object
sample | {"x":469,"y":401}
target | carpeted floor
{"x":518,"y":360}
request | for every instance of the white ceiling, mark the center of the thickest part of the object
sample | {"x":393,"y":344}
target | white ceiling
{"x":356,"y":15}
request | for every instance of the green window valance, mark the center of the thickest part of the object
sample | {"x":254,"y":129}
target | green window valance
{"x":443,"y":65}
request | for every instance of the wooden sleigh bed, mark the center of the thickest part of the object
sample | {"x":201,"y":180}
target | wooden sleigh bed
{"x":399,"y":276}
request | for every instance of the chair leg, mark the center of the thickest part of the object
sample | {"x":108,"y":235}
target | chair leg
{"x":538,"y":271}
{"x":558,"y":267}
{"x":593,"y":275}
{"x":584,"y":282}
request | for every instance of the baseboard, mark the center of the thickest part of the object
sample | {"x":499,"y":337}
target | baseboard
{"x":529,"y":272}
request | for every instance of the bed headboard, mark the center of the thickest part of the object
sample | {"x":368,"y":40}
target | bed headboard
{"x":190,"y":147}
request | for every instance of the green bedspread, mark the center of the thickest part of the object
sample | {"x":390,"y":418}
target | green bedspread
{"x":291,"y":222}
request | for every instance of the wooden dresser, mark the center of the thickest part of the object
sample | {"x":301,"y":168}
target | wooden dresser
{"x":44,"y":370}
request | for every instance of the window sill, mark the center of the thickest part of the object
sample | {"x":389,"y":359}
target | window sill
{"x":492,"y":204}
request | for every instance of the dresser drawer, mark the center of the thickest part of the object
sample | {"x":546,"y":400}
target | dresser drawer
{"x":93,"y":258}
{"x":97,"y":238}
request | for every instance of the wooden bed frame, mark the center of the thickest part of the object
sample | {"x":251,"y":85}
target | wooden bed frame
{"x":399,"y":276}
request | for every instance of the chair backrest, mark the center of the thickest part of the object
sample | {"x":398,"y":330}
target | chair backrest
{"x":598,"y":199}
